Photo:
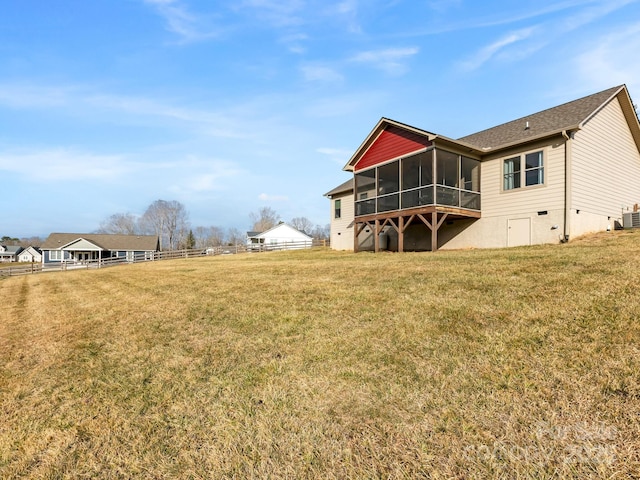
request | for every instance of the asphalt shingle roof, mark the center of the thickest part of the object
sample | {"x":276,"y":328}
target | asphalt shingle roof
{"x":556,"y":119}
{"x":344,"y":187}
{"x":106,"y":241}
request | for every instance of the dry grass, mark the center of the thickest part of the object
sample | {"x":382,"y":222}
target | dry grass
{"x":519,"y":363}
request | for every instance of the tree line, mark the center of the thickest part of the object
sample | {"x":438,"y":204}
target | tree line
{"x":22,"y":242}
{"x":169,"y":220}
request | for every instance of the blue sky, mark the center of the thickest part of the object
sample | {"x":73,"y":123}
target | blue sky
{"x":231,"y":106}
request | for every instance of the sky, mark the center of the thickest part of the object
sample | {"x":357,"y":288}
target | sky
{"x":232,"y":106}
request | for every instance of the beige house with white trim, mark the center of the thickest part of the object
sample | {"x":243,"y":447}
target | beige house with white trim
{"x":544,"y":178}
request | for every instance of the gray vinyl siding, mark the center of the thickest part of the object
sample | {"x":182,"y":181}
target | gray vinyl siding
{"x":46,"y":256}
{"x":524,"y":200}
{"x":605,"y":165}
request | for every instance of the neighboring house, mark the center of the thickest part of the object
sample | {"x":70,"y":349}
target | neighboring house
{"x":9,"y":253}
{"x":280,"y":237}
{"x":30,"y":254}
{"x":544,"y":178}
{"x":85,"y":247}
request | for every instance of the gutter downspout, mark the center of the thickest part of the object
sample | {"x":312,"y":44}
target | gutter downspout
{"x":567,"y":186}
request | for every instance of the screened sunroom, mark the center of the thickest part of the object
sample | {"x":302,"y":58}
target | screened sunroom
{"x":433,"y":177}
{"x":405,"y":202}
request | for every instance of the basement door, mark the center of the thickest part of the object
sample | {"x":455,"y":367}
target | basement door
{"x":519,"y":232}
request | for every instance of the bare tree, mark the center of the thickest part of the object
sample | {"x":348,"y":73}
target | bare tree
{"x":31,"y":241}
{"x":264,"y":219}
{"x":303,"y":224}
{"x":168,"y":220}
{"x":216,"y":236}
{"x":120,"y":223}
{"x":321,"y":233}
{"x":208,"y":236}
{"x":235,"y":237}
{"x":7,"y":240}
{"x":201,"y":235}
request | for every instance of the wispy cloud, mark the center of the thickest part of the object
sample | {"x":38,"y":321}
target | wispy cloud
{"x":346,"y":104}
{"x":295,"y":42}
{"x":488,"y":52}
{"x":533,"y":38}
{"x":390,"y":60}
{"x":587,"y":15}
{"x":64,"y":164}
{"x":265,"y":197}
{"x":605,"y":60}
{"x":320,"y":73}
{"x":336,"y":155}
{"x":79,"y":100}
{"x":443,"y":5}
{"x":212,"y":175}
{"x":462,"y":23}
{"x":279,"y":13}
{"x":345,"y":11}
{"x":189,"y":27}
{"x":35,"y":96}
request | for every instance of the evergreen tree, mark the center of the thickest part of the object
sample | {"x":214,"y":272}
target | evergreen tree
{"x":191,"y":240}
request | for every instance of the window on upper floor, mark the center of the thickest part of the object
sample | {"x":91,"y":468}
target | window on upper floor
{"x":337,"y":204}
{"x":514,"y":176}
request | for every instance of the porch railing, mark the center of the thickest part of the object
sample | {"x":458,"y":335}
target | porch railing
{"x":419,"y":197}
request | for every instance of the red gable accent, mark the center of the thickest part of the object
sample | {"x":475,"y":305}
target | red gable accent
{"x":391,"y":143}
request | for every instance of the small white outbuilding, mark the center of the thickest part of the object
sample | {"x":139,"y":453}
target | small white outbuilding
{"x":280,"y":237}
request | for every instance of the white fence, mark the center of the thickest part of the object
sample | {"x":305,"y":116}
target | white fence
{"x":22,"y":269}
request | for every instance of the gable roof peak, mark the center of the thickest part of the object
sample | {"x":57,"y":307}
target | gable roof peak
{"x":383,"y":124}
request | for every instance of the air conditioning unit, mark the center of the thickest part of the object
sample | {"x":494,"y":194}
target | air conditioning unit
{"x":631,"y":220}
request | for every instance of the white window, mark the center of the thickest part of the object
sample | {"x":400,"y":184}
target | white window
{"x":55,"y":255}
{"x":514,"y":176}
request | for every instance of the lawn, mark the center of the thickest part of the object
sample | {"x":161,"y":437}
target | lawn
{"x":515,"y":363}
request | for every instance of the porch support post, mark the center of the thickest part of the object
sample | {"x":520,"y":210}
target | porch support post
{"x":434,"y":231}
{"x":401,"y":234}
{"x":376,"y":239}
{"x":435,"y":226}
{"x":356,"y":232}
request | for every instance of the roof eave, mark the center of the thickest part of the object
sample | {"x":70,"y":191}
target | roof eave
{"x":535,"y":138}
{"x":457,"y":143}
{"x":344,"y":187}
